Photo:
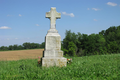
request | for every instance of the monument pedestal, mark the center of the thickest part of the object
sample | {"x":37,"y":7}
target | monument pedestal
{"x":53,"y":56}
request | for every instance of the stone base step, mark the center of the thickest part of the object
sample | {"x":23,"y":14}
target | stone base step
{"x":54,"y":61}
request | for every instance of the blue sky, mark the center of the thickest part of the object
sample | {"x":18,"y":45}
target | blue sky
{"x":24,"y":20}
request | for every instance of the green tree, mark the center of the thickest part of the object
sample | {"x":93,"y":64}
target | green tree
{"x":112,"y":37}
{"x":10,"y":47}
{"x":100,"y":44}
{"x":71,"y":37}
{"x":34,"y":45}
{"x":78,"y":43}
{"x":72,"y":49}
{"x":42,"y":45}
{"x":102,"y":32}
{"x":3,"y":48}
{"x":26,"y":45}
{"x":84,"y":43}
{"x":20,"y":47}
{"x":114,"y":48}
{"x":15,"y":47}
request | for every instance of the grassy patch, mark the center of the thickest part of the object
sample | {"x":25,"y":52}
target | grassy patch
{"x":97,"y":67}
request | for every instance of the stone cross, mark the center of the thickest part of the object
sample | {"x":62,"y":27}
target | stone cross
{"x":53,"y":55}
{"x":53,"y":15}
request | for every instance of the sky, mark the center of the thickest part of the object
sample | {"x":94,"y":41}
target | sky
{"x":24,"y":20}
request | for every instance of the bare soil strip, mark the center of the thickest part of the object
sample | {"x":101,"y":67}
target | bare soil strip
{"x":21,"y":54}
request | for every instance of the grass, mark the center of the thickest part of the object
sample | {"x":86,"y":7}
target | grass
{"x":97,"y":67}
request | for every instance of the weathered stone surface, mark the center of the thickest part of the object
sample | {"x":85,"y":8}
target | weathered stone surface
{"x":53,"y":41}
{"x":54,"y":61}
{"x":53,"y":56}
{"x":53,"y":15}
{"x":53,"y":53}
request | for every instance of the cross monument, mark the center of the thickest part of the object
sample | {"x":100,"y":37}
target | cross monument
{"x":53,"y":55}
{"x":53,"y":15}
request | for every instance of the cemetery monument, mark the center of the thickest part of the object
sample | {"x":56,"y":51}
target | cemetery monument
{"x":53,"y":55}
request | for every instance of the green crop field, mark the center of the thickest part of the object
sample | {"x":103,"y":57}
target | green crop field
{"x":97,"y":67}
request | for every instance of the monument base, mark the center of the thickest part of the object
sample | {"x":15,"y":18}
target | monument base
{"x":54,"y":61}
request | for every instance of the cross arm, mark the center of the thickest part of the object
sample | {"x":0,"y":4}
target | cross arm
{"x":48,"y":15}
{"x":58,"y":15}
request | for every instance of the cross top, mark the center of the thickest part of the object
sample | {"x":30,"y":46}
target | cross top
{"x":53,"y":15}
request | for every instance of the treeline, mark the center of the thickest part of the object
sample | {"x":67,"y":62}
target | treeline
{"x":106,"y":42}
{"x":25,"y":45}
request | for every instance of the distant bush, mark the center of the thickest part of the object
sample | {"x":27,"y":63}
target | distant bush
{"x":25,"y":45}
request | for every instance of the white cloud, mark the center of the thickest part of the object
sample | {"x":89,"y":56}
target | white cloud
{"x":95,"y":9}
{"x":88,"y":8}
{"x":5,"y":27}
{"x":71,"y":14}
{"x":95,"y":19}
{"x":37,"y":25}
{"x":111,"y":4}
{"x":16,"y":38}
{"x":8,"y":39}
{"x":20,"y":15}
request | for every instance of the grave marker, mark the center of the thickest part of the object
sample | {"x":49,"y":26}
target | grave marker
{"x":53,"y":55}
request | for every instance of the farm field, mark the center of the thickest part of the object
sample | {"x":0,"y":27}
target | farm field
{"x":21,"y":54}
{"x":96,"y":67}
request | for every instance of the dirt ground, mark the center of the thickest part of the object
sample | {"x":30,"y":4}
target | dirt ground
{"x":21,"y":54}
